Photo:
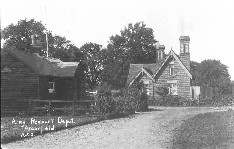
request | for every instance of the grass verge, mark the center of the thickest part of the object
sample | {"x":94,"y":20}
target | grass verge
{"x":19,"y":128}
{"x":209,"y":130}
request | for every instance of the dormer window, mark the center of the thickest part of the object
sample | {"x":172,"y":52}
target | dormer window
{"x":51,"y":85}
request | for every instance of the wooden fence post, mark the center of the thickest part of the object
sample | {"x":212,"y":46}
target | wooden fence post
{"x":73,"y":108}
{"x":49,"y":107}
{"x":98,"y":107}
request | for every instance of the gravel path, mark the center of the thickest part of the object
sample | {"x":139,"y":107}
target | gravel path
{"x":143,"y":130}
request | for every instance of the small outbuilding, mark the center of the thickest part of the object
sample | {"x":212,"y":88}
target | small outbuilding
{"x":27,"y":75}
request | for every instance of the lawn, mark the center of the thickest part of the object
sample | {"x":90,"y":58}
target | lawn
{"x":18,"y":128}
{"x":209,"y":130}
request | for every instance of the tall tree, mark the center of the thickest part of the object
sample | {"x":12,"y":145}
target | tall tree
{"x":19,"y":37}
{"x":92,"y":57}
{"x":62,"y":48}
{"x":212,"y":73}
{"x":135,"y":44}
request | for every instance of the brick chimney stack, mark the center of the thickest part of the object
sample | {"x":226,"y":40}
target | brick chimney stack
{"x":36,"y":45}
{"x":160,"y":52}
{"x":184,"y":51}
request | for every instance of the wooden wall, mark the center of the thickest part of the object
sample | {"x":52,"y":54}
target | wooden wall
{"x":43,"y":90}
{"x":20,"y":82}
{"x":75,"y":91}
{"x":64,"y":89}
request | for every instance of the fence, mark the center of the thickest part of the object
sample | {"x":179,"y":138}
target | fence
{"x":49,"y":107}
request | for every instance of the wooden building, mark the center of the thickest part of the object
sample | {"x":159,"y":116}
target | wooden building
{"x":27,"y":75}
{"x":171,"y":71}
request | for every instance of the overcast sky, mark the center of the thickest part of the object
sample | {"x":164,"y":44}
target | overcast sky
{"x":209,"y":23}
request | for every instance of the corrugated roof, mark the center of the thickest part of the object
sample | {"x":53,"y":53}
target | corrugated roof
{"x":45,"y":66}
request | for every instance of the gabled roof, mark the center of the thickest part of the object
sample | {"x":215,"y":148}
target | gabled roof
{"x":153,"y":69}
{"x":65,"y":69}
{"x":45,"y":66}
{"x":136,"y":69}
{"x":172,"y":53}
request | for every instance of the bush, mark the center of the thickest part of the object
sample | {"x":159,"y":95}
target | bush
{"x":127,"y":101}
{"x":170,"y":100}
{"x":221,"y":100}
{"x":162,"y":91}
{"x":114,"y":106}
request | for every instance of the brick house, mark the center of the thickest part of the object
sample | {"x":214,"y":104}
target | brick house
{"x":171,"y":71}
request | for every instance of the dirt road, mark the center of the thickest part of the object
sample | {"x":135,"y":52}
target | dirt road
{"x":151,"y":129}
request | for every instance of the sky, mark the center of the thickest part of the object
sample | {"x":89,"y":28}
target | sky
{"x":209,"y":23}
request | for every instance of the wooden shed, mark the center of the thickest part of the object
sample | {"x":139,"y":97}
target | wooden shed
{"x":27,"y":75}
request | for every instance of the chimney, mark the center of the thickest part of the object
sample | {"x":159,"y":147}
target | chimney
{"x":184,"y":51}
{"x":36,"y":45}
{"x":160,"y":52}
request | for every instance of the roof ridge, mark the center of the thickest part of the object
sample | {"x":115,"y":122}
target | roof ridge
{"x":12,"y":52}
{"x":51,"y":65}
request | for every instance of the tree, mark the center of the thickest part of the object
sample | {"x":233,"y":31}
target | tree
{"x":62,"y":48}
{"x":135,"y":44}
{"x":139,"y":43}
{"x":212,"y":73}
{"x":92,"y":57}
{"x":19,"y":37}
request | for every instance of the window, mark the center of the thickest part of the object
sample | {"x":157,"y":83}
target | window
{"x":149,"y":87}
{"x":171,"y":69}
{"x":181,"y":48}
{"x":51,"y":85}
{"x":186,"y":48}
{"x":172,"y":89}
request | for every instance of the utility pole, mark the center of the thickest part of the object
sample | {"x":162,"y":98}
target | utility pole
{"x":47,"y":44}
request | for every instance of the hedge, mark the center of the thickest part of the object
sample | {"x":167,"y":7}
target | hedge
{"x":170,"y":100}
{"x":126,"y":102}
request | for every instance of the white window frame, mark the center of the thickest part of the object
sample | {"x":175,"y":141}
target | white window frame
{"x":171,"y":70}
{"x":51,"y":87}
{"x":173,"y":86}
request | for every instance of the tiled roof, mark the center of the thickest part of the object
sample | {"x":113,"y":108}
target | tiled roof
{"x":136,"y":69}
{"x":154,"y":68}
{"x":45,"y":66}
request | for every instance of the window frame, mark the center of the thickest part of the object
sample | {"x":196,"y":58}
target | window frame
{"x":171,"y":69}
{"x":51,"y":86}
{"x":173,"y":85}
